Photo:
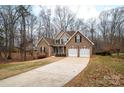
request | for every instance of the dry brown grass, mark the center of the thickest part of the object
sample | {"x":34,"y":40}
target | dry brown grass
{"x":14,"y":68}
{"x":101,"y":71}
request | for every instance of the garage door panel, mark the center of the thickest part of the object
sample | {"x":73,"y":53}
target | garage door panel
{"x":84,"y":52}
{"x":73,"y":52}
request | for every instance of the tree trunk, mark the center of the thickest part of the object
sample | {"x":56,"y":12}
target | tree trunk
{"x":24,"y":38}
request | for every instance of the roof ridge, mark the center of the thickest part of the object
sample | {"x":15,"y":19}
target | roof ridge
{"x":83,"y":35}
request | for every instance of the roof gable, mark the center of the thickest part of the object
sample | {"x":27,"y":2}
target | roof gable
{"x":82,"y":35}
{"x":59,"y":34}
{"x":70,"y":32}
{"x":49,"y":41}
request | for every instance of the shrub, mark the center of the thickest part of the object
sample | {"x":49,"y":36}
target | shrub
{"x":41,"y":56}
{"x":104,"y":53}
{"x":60,"y":55}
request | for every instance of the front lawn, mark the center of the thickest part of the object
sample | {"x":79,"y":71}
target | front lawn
{"x":10,"y":69}
{"x":101,"y":71}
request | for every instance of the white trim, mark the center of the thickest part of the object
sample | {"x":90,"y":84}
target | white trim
{"x":81,"y":34}
{"x":64,"y":32}
{"x":41,"y":39}
{"x":68,"y":34}
{"x":49,"y":51}
{"x":84,"y":52}
{"x":60,"y":34}
{"x":70,"y":37}
{"x":73,"y":52}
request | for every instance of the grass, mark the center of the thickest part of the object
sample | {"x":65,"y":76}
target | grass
{"x":11,"y":69}
{"x":101,"y":71}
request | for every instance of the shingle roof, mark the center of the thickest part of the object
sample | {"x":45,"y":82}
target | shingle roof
{"x":70,"y":32}
{"x":83,"y":35}
{"x":49,"y":40}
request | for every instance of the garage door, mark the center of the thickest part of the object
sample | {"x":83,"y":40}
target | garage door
{"x":84,"y":52}
{"x":73,"y":52}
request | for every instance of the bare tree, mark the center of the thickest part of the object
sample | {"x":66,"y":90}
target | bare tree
{"x":91,"y":25}
{"x":45,"y":17}
{"x":103,"y":26}
{"x":63,"y":18}
{"x":24,"y":12}
{"x":111,"y":24}
{"x":31,"y":28}
{"x":9,"y":15}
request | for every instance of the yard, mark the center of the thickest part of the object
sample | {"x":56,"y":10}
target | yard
{"x":14,"y":68}
{"x":101,"y":71}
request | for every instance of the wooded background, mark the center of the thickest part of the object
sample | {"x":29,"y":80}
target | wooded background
{"x":20,"y":29}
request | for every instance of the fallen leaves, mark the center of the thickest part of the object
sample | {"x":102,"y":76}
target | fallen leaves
{"x":101,"y":72}
{"x":103,"y":76}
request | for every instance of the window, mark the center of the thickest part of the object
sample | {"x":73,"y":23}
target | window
{"x":58,"y":41}
{"x":41,"y":49}
{"x":65,"y":40}
{"x":62,"y":41}
{"x":44,"y":50}
{"x":78,"y":39}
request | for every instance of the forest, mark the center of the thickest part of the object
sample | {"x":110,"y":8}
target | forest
{"x":20,"y":29}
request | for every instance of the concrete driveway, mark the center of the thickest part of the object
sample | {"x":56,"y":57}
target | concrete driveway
{"x":56,"y":74}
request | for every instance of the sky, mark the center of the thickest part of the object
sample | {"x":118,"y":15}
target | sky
{"x":82,"y":11}
{"x":83,"y":8}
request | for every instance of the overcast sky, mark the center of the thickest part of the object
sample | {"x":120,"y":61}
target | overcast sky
{"x":82,"y":11}
{"x":83,"y":8}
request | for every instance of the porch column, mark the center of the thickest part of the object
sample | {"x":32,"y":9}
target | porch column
{"x":57,"y":50}
{"x":49,"y":51}
{"x":63,"y":50}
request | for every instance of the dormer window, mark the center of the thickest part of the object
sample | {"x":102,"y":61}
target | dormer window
{"x":77,"y":38}
{"x":58,"y":41}
{"x":65,"y":40}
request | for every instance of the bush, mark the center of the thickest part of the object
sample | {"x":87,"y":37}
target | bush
{"x":60,"y":55}
{"x":41,"y":56}
{"x":15,"y":50}
{"x":104,"y":53}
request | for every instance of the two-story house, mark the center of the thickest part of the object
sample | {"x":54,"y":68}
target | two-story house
{"x":70,"y":43}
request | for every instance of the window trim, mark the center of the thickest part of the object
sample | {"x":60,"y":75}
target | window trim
{"x":78,"y":38}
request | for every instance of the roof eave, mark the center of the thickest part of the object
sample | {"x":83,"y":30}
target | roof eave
{"x":41,"y":39}
{"x":81,"y":34}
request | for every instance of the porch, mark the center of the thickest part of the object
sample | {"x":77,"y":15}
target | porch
{"x":59,"y":50}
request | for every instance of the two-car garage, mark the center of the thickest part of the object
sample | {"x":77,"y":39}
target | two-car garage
{"x":82,"y":52}
{"x":79,"y":46}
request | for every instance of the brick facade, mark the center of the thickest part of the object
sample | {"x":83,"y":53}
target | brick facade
{"x":85,"y":43}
